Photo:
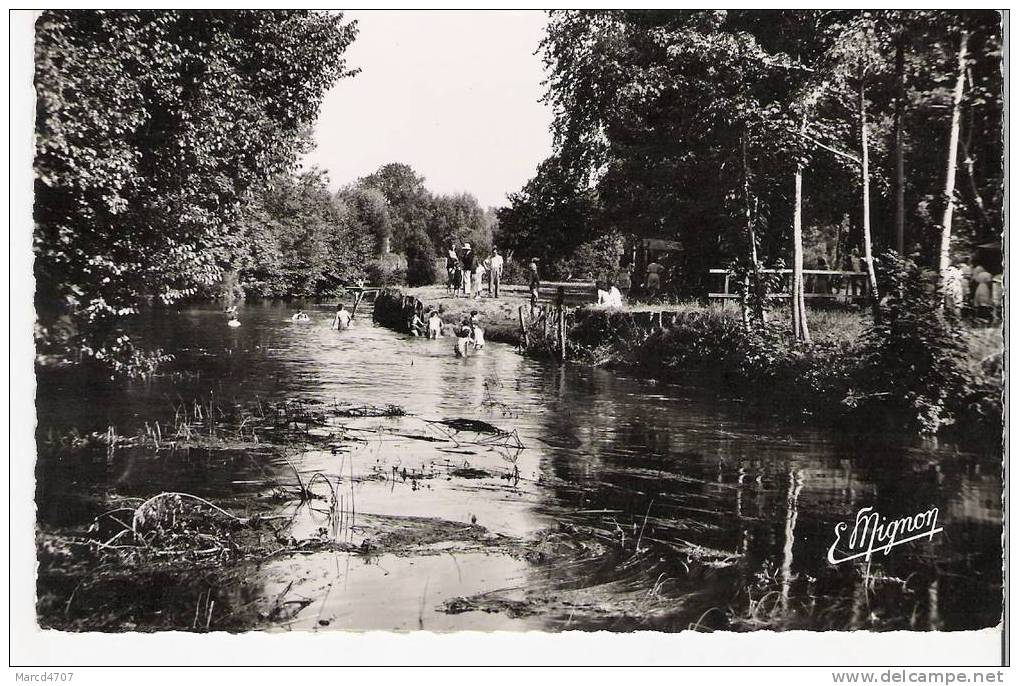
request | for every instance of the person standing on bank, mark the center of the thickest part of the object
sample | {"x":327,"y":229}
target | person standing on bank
{"x":479,"y":276}
{"x":652,"y":278}
{"x":495,"y":273}
{"x":452,"y":278}
{"x":467,"y":265}
{"x":534,"y":282}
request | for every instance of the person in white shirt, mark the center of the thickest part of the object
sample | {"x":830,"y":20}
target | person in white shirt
{"x":495,"y":275}
{"x":477,"y":333}
{"x":615,"y":298}
{"x":609,"y":296}
{"x":479,"y":275}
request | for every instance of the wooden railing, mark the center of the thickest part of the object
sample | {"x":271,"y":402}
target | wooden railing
{"x":826,"y":284}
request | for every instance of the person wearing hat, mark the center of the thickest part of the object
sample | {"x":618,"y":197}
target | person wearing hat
{"x":467,"y":265}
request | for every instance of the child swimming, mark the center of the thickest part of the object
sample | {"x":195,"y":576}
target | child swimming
{"x":477,"y":333}
{"x":300,"y":317}
{"x":416,"y":325}
{"x":434,"y":324}
{"x":341,"y":320}
{"x":463,"y":338}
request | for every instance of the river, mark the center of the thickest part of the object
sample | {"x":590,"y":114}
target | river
{"x":660,"y":506}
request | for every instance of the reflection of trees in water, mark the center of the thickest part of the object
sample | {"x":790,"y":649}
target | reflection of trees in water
{"x":795,"y":486}
{"x":731,"y":482}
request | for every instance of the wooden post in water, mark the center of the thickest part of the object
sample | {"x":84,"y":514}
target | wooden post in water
{"x":357,"y":301}
{"x":523,"y":328}
{"x":560,"y":297}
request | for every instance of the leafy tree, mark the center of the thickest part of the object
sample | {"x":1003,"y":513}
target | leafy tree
{"x":297,"y":240}
{"x":421,"y":261}
{"x":459,"y":219}
{"x":151,"y":129}
{"x":549,"y":217}
{"x":406,"y":196}
{"x":691,"y":125}
{"x":369,"y":209}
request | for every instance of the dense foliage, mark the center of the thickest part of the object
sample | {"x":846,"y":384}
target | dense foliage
{"x":689,"y":125}
{"x":913,"y":358}
{"x":296,"y":239}
{"x":422,"y":225}
{"x":151,"y":129}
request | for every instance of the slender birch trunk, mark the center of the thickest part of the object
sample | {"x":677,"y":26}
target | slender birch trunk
{"x":953,"y":158}
{"x":752,"y":238}
{"x":868,"y":251}
{"x":800,"y":328}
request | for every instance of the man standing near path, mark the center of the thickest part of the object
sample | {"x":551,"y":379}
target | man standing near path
{"x":495,"y":275}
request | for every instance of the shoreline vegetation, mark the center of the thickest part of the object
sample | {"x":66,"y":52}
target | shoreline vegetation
{"x":839,"y":376}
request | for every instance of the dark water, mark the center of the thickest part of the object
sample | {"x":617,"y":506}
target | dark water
{"x":680,"y":508}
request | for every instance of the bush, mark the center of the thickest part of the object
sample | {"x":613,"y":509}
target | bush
{"x":390,"y":270}
{"x":914,"y":358}
{"x":420,"y":259}
{"x":515,"y":272}
{"x":594,"y":260}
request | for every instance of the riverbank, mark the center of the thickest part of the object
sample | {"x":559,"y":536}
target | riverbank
{"x":846,"y":374}
{"x":498,"y":316}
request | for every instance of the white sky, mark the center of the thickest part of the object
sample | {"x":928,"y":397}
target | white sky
{"x":452,"y":94}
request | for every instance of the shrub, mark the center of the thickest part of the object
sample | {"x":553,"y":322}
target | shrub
{"x":597,"y":259}
{"x":420,"y":259}
{"x":515,"y":272}
{"x":914,"y":358}
{"x":390,"y":270}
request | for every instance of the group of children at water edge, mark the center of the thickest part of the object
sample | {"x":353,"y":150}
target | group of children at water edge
{"x":468,"y":334}
{"x":466,"y":272}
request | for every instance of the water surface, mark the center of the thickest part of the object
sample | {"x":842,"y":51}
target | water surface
{"x":676,"y":507}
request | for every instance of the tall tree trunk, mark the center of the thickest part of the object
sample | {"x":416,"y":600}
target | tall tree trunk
{"x":800,"y":328}
{"x":953,"y":158}
{"x":868,"y":251}
{"x":752,"y":238}
{"x":899,"y":124}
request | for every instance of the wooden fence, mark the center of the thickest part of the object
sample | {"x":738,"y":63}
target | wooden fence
{"x":819,"y":284}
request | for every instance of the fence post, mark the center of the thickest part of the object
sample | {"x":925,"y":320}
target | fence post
{"x":523,"y":329}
